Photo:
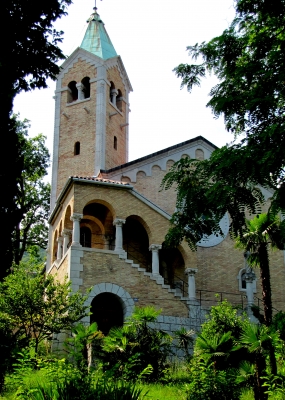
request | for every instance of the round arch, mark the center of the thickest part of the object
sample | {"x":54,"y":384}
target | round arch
{"x":125,"y":298}
{"x":67,"y":222}
{"x":90,"y":200}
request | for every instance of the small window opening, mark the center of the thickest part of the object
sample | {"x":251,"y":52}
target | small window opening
{"x":73,"y":92}
{"x":77,"y":148}
{"x":115,"y":142}
{"x":119,"y":100}
{"x":86,"y":87}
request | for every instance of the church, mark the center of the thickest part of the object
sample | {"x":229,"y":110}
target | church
{"x":109,"y":216}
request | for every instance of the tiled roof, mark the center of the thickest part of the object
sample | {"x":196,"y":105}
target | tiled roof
{"x":100,"y":180}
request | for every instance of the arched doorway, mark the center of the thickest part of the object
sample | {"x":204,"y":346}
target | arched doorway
{"x":107,"y":311}
{"x":136,"y":242}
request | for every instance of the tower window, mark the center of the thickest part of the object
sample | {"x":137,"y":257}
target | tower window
{"x":115,"y":142}
{"x":77,"y":148}
{"x":86,"y":87}
{"x":119,"y":102}
{"x":112,"y":87}
{"x":73,"y":92}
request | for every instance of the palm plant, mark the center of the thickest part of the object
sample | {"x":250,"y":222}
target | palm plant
{"x":264,"y":231}
{"x":259,"y":342}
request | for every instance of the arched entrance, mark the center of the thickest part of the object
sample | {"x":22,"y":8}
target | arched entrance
{"x":136,"y":242}
{"x":107,"y":311}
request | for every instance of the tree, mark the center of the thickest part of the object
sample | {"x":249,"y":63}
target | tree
{"x":248,"y":58}
{"x":36,"y":306}
{"x":29,"y":55}
{"x":263,"y":232}
{"x":33,"y":196}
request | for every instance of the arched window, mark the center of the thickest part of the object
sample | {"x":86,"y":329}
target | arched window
{"x":85,"y":236}
{"x":115,"y":142}
{"x":119,"y":102}
{"x":77,"y":148}
{"x":86,"y":87}
{"x":112,"y":88}
{"x":73,"y":92}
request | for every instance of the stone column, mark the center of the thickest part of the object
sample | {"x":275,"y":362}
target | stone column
{"x":191,"y":282}
{"x":59,"y":248}
{"x":155,"y":258}
{"x":114,"y":94}
{"x":249,"y":278}
{"x":66,"y":233}
{"x":119,"y":233}
{"x":80,"y":88}
{"x":75,"y":218}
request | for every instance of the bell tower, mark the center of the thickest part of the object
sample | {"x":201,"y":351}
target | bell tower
{"x":91,"y":110}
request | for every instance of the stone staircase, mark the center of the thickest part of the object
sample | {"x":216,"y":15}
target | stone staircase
{"x":159,"y":280}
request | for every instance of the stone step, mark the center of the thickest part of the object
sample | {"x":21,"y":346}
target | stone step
{"x":136,"y":265}
{"x":166,"y":286}
{"x":129,"y":261}
{"x":141,"y":269}
{"x":147,"y":273}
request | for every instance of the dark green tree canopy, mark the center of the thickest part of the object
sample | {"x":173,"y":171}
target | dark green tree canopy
{"x":249,"y":60}
{"x":29,"y":56}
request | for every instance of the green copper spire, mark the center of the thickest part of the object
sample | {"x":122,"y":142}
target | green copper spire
{"x":96,"y":39}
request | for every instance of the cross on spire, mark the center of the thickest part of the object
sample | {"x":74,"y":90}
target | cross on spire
{"x":95,"y":8}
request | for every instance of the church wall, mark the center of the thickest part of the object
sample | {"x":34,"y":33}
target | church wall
{"x":150,"y":187}
{"x":78,"y":125}
{"x":108,"y":268}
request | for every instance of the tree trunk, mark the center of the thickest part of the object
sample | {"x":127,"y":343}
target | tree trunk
{"x":266,"y":298}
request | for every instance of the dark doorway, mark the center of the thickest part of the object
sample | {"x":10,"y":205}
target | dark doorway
{"x":107,"y":311}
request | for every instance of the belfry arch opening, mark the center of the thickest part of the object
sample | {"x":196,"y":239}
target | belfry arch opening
{"x":136,"y":242}
{"x":107,"y":311}
{"x":73,"y":92}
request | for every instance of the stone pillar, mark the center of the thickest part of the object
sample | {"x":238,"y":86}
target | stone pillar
{"x":249,"y":278}
{"x":75,"y":218}
{"x":66,"y":233}
{"x":119,"y":233}
{"x":155,"y":258}
{"x":191,"y":282}
{"x":114,"y":94}
{"x":80,"y":88}
{"x":59,"y":248}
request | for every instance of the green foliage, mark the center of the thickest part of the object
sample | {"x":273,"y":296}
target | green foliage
{"x":208,"y":383}
{"x":224,"y":318}
{"x":278,"y":324}
{"x":33,"y":194}
{"x":185,"y":341}
{"x":248,"y":59}
{"x":137,"y":349}
{"x":81,"y":345}
{"x":35,"y":306}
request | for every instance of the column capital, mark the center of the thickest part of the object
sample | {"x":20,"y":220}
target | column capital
{"x":155,"y":247}
{"x":66,"y":232}
{"x":76,"y":217}
{"x":249,"y":276}
{"x":119,"y":222}
{"x":190,"y":271}
{"x":60,"y":239}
